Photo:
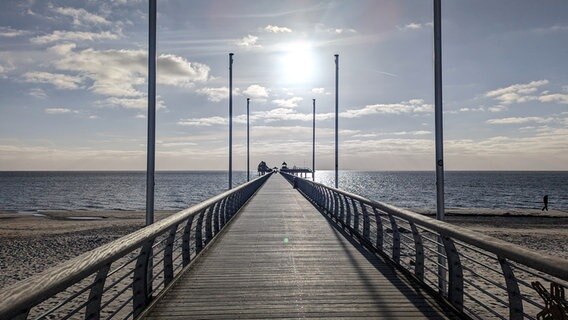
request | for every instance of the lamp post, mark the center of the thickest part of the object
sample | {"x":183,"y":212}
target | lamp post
{"x":439,"y":133}
{"x":151,"y":147}
{"x":230,"y":121}
{"x":336,"y":120}
{"x":314,"y":143}
{"x":248,"y":140}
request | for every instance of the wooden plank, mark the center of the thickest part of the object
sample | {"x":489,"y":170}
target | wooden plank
{"x":282,"y":259}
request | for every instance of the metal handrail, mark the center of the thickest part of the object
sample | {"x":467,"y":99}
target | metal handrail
{"x":451,"y":238}
{"x":17,"y":300}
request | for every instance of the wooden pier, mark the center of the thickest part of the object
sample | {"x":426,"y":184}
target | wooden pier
{"x":281,"y":258}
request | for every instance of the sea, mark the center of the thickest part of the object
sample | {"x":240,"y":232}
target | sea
{"x":35,"y":191}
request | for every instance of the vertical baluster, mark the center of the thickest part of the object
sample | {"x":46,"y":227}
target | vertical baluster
{"x":168,"y":255}
{"x":186,"y":242}
{"x":513,"y":292}
{"x":199,"y":232}
{"x":366,"y":222}
{"x":348,"y":211}
{"x":141,"y":284}
{"x":356,"y":214}
{"x":222,"y":209}
{"x":93,"y":309}
{"x":216,"y":218}
{"x":208,"y":224}
{"x":395,"y":240}
{"x":419,"y":252}
{"x":335,"y":205}
{"x":455,"y":273}
{"x":379,"y":222}
{"x":342,"y":209}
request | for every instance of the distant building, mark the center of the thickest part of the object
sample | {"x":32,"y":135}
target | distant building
{"x":284,"y":166}
{"x":263,"y":168}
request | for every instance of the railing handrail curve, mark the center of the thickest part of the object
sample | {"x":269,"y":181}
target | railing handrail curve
{"x":554,"y":266}
{"x":33,"y":290}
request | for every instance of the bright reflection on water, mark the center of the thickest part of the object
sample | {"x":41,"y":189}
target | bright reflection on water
{"x":463,"y":189}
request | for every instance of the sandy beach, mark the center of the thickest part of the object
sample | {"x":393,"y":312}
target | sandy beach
{"x":31,"y":243}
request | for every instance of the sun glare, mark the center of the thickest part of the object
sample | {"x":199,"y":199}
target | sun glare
{"x":297,"y":62}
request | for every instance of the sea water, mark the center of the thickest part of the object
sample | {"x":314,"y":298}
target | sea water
{"x":33,"y":191}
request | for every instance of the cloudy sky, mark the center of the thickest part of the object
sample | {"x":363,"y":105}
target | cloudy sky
{"x":73,"y":83}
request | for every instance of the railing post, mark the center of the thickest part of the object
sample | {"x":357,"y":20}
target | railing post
{"x":348,"y":216}
{"x":209,"y":224}
{"x":395,"y":240}
{"x":141,"y":282}
{"x":379,"y":223}
{"x":168,"y":255}
{"x":513,"y":292}
{"x":186,"y":242}
{"x":216,"y":217}
{"x":356,"y":214}
{"x":335,"y":205}
{"x":93,"y":309}
{"x":455,"y":273}
{"x":419,"y":252}
{"x":199,"y":232}
{"x":341,"y":209}
{"x":222,"y":209}
{"x":366,"y":221}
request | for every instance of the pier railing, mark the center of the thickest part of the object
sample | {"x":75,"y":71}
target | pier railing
{"x":119,"y":280}
{"x":480,"y":276}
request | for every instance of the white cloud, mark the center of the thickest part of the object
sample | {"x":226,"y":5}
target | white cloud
{"x":416,"y":26}
{"x":248,"y":42}
{"x":140,"y":116}
{"x":217,"y":94}
{"x":130,"y":102}
{"x":497,"y":108}
{"x":8,"y":32}
{"x":82,"y":16}
{"x":37,"y":93}
{"x":516,"y":93}
{"x":59,"y":35}
{"x":60,"y":81}
{"x":478,"y":109}
{"x":320,"y":27}
{"x":519,"y":120}
{"x":556,"y":97}
{"x":288,"y":103}
{"x":117,"y":73}
{"x":203,"y":122}
{"x":552,"y":29}
{"x":256,"y":92}
{"x":318,"y":90}
{"x":63,"y":49}
{"x":58,"y":110}
{"x":404,"y":107}
{"x":276,"y":29}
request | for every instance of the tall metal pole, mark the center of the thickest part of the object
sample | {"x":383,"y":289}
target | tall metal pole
{"x":230,"y":121}
{"x":151,"y":148}
{"x":248,"y":140}
{"x":336,"y":120}
{"x":314,"y":143}
{"x":439,"y":133}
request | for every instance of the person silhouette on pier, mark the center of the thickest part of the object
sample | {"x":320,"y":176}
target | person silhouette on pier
{"x":545,"y":201}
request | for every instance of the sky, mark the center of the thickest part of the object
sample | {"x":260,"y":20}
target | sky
{"x":73,"y":84}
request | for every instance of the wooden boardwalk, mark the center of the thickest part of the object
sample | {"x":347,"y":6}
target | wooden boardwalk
{"x":281,"y":258}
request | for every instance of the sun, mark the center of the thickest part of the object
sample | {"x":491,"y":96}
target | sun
{"x":297,"y":62}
